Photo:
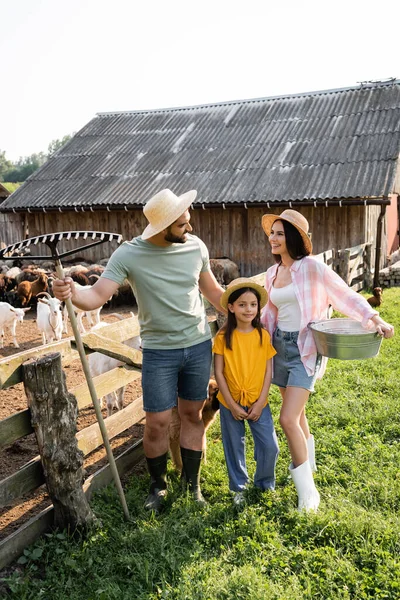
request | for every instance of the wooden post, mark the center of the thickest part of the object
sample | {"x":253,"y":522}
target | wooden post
{"x":368,"y":266}
{"x":54,"y":411}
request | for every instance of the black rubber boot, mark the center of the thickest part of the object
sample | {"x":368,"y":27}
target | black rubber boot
{"x":158,"y":487}
{"x":191,"y":462}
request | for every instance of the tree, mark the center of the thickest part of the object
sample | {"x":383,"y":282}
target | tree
{"x":5,"y":164}
{"x":57,"y":144}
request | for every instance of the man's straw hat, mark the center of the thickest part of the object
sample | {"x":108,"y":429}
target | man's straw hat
{"x":243,"y":282}
{"x":293,"y":217}
{"x":165,"y":208}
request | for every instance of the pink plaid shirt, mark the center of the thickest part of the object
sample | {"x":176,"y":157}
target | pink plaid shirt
{"x":316,"y":287}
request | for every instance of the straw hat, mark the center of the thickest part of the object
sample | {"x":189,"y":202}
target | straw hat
{"x":243,"y":282}
{"x":293,"y":217}
{"x":163,"y":209}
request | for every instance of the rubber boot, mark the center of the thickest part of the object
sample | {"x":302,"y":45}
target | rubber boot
{"x":311,"y":453}
{"x":191,"y":462}
{"x":158,"y":482}
{"x":307,"y":492}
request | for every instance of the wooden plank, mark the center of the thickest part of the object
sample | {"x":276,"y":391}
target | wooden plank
{"x":104,"y":384}
{"x":112,"y":348}
{"x":120,"y":331}
{"x":13,"y":545}
{"x":10,"y":367}
{"x":15,"y":427}
{"x":124,"y":462}
{"x":18,"y":425}
{"x":26,"y":479}
{"x":90,"y":438}
{"x":30,"y":476}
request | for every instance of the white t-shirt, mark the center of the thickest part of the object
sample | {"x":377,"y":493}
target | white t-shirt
{"x":289,"y":315}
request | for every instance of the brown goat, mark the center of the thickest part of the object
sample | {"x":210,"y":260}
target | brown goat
{"x":27,"y":290}
{"x":376,"y":299}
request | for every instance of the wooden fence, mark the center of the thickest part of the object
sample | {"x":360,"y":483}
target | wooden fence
{"x":30,"y":476}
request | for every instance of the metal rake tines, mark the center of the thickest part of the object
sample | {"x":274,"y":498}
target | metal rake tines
{"x":52,"y":239}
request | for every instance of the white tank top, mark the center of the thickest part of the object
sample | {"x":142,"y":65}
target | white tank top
{"x":289,"y":315}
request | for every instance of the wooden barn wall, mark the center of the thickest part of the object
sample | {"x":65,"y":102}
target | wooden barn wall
{"x":232,"y":232}
{"x":11,"y":228}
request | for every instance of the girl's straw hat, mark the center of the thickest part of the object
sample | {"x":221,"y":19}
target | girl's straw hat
{"x":165,"y":208}
{"x":293,"y":217}
{"x":243,"y":282}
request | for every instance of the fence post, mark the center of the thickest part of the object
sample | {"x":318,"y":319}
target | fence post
{"x":367,"y":266}
{"x":54,"y":412}
{"x":343,"y":264}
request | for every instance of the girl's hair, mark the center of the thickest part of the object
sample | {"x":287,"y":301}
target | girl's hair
{"x":294,"y":242}
{"x":231,"y":324}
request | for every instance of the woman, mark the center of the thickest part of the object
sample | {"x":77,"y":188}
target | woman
{"x":300,"y":290}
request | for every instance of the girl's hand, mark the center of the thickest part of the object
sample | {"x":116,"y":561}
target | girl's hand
{"x":384,"y":329}
{"x":255,"y":411}
{"x":238,"y":413}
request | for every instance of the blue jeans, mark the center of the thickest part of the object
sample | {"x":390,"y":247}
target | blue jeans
{"x":288,"y":370}
{"x":266,"y":449}
{"x":167,"y":374}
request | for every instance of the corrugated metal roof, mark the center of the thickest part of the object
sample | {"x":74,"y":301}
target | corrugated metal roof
{"x":323,"y":145}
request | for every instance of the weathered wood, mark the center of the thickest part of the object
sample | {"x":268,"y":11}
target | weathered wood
{"x":368,"y":266}
{"x":105,"y":383}
{"x":18,"y":425}
{"x":14,"y":427}
{"x":109,"y":347}
{"x":90,"y":438}
{"x":13,"y":545}
{"x":11,"y":366}
{"x":54,"y":411}
{"x":26,"y":479}
{"x":31,"y":475}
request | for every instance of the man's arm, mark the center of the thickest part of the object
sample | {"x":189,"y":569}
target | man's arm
{"x":87,"y":299}
{"x":211,"y":289}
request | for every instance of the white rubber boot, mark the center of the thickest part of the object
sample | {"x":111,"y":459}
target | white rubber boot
{"x":307,"y":492}
{"x":311,"y":453}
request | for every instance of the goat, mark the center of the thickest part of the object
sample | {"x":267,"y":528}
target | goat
{"x":9,"y":317}
{"x":209,"y":413}
{"x":100,"y":363}
{"x":376,"y":299}
{"x":224,"y":269}
{"x":49,"y":318}
{"x":27,"y":290}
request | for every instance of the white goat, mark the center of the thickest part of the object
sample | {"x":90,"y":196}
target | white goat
{"x":49,"y":318}
{"x":91,"y":315}
{"x":100,"y":363}
{"x":9,"y":317}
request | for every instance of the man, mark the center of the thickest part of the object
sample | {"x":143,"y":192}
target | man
{"x":167,"y":268}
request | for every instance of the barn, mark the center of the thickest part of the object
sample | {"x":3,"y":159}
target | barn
{"x":332,"y":154}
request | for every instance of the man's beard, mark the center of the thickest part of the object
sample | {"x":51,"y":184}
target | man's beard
{"x":174,"y":239}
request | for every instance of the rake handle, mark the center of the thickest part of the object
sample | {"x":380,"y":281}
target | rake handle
{"x":93,"y":394}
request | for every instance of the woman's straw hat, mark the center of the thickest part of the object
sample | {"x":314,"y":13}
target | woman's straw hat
{"x":243,"y":282}
{"x":293,"y":217}
{"x":165,"y":208}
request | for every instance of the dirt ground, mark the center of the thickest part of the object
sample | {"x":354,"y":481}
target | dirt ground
{"x":22,"y":451}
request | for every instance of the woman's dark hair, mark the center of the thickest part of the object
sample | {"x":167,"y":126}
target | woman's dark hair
{"x":294,"y":242}
{"x":231,"y":323}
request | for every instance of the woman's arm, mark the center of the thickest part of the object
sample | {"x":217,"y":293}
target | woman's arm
{"x":237,"y":411}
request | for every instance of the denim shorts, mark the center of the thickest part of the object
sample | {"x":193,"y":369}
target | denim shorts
{"x":288,"y":369}
{"x":167,"y":374}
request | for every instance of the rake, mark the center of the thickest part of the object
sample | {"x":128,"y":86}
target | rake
{"x":51,"y":240}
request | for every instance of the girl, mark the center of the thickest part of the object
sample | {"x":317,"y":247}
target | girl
{"x":243,"y":369}
{"x":300,"y":290}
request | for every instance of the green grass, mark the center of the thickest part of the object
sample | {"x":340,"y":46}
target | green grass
{"x":265,"y":550}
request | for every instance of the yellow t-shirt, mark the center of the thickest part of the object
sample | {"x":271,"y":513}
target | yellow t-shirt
{"x":245,"y":364}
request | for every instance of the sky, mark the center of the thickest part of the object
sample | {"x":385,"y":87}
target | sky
{"x":62,"y":62}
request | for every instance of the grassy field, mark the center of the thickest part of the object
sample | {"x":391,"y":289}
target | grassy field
{"x":266,"y":549}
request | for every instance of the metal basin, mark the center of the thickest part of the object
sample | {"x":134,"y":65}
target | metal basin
{"x":345,"y":339}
